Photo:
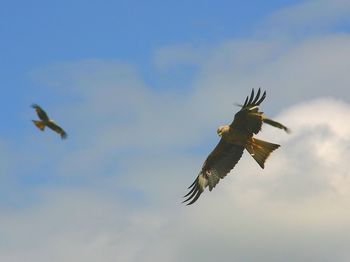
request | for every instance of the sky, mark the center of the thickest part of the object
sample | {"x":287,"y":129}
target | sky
{"x":140,"y":89}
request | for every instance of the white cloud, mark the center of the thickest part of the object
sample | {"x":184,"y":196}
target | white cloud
{"x":307,"y":17}
{"x":295,"y":209}
{"x":314,"y":67}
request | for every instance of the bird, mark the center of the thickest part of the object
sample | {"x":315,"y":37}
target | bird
{"x":236,"y":137}
{"x":46,"y":121}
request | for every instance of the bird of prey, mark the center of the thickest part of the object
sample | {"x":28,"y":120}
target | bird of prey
{"x":236,"y":137}
{"x":46,"y":121}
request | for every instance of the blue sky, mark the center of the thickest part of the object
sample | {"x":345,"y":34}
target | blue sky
{"x":40,"y":33}
{"x":141,"y":89}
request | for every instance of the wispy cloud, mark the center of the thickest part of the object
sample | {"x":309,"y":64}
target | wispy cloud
{"x":308,"y":17}
{"x":301,"y":197}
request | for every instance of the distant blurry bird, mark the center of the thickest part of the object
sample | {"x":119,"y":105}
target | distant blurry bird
{"x":46,"y":121}
{"x":234,"y":139}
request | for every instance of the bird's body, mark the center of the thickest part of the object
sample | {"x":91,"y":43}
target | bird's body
{"x":46,"y":121}
{"x":233,"y":135}
{"x":236,"y":137}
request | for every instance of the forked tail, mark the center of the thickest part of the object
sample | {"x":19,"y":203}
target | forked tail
{"x":39,"y":124}
{"x":260,"y":150}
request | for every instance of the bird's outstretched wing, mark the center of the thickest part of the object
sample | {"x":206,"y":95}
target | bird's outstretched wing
{"x":57,"y":129}
{"x":249,"y":119}
{"x":275,"y":124}
{"x":41,"y":113}
{"x":218,"y":164}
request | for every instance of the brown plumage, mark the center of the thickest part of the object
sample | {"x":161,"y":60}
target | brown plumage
{"x":46,"y":121}
{"x":234,"y":139}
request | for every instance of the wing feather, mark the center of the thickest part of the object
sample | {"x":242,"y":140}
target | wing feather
{"x":257,"y":96}
{"x":251,"y":97}
{"x":218,"y":164}
{"x":245,"y":102}
{"x":57,"y":129}
{"x":41,"y":113}
{"x":249,"y":120}
{"x":261,"y":99}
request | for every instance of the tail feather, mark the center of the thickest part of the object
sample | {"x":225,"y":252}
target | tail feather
{"x":260,"y":150}
{"x":39,"y":124}
{"x":276,"y":124}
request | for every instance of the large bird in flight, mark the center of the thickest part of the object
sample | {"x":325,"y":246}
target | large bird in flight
{"x":46,"y":121}
{"x":234,"y":139}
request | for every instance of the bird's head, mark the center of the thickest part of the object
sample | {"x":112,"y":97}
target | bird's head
{"x":222,"y":129}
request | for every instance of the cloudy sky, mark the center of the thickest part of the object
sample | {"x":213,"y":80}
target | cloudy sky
{"x":141,"y":88}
